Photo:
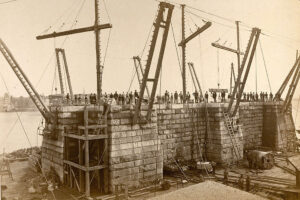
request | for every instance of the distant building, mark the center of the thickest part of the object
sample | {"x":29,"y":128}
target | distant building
{"x":7,"y":105}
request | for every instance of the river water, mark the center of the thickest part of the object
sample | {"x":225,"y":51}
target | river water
{"x":12,"y":137}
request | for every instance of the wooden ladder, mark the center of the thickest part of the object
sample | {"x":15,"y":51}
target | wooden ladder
{"x":231,"y":132}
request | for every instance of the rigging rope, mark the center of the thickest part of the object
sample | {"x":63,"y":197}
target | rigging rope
{"x":176,"y":49}
{"x":106,"y":48}
{"x":23,"y":128}
{"x":262,"y":53}
{"x":133,"y":72}
{"x":106,"y":11}
{"x":62,"y":44}
{"x":149,"y":33}
{"x":54,"y":80}
{"x":255,"y":72}
{"x":65,"y":12}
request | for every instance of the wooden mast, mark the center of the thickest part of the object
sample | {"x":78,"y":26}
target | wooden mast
{"x":96,"y":28}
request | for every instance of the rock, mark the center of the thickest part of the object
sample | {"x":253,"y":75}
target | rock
{"x":50,"y":187}
{"x":31,"y":190}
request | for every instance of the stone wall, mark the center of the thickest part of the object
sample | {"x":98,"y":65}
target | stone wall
{"x":53,"y":139}
{"x":138,"y":151}
{"x":251,"y":120}
{"x":279,"y":129}
{"x":185,"y":134}
{"x":135,"y":156}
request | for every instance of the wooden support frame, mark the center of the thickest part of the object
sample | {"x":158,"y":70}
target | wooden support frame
{"x":83,"y":165}
{"x":160,"y":22}
{"x":240,"y":85}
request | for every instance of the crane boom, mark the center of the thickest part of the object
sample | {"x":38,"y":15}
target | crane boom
{"x":195,"y":78}
{"x":63,"y":54}
{"x":140,"y":72}
{"x":286,"y":80}
{"x":25,"y":81}
{"x":163,"y":21}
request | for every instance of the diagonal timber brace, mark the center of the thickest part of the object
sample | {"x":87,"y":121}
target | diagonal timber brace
{"x":241,"y":81}
{"x":160,"y":22}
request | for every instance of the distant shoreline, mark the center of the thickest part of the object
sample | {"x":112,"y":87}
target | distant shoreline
{"x":20,"y":110}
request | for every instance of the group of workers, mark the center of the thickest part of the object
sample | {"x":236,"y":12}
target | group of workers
{"x":170,"y":98}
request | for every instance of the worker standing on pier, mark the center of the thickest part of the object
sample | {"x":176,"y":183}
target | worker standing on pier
{"x":176,"y":97}
{"x":136,"y":96}
{"x":214,"y":94}
{"x":181,"y":97}
{"x":196,"y":96}
{"x":206,"y":97}
{"x":223,"y":96}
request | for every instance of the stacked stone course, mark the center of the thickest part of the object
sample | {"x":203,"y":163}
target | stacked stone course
{"x":251,"y":120}
{"x":135,"y":157}
{"x":137,"y":152}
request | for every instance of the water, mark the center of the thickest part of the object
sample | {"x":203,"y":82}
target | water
{"x":16,"y":138}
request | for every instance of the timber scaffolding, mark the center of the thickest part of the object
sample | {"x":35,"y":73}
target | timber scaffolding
{"x":82,"y":135}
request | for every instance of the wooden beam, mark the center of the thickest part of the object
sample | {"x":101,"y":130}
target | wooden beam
{"x":83,"y":168}
{"x":217,"y":45}
{"x":89,"y":137}
{"x":92,"y":126}
{"x":197,"y":32}
{"x":74,"y":31}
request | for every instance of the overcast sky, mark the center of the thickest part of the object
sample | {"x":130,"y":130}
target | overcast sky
{"x":22,"y":20}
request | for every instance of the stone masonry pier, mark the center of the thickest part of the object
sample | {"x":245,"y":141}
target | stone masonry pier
{"x":136,"y":153}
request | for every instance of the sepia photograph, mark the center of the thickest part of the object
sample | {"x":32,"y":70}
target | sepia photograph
{"x":149,"y":100}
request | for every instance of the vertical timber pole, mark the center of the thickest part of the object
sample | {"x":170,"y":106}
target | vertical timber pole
{"x":67,"y":73}
{"x":86,"y":150}
{"x":183,"y":55}
{"x":238,"y":49}
{"x":231,"y":77}
{"x":59,"y":72}
{"x":98,"y":65}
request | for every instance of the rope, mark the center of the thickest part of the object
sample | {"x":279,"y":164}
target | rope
{"x":149,"y":33}
{"x":176,"y":48}
{"x":255,"y":72}
{"x":70,"y":9}
{"x":133,"y":72}
{"x":262,"y":53}
{"x":218,"y":65}
{"x":108,"y":40}
{"x":297,"y":108}
{"x":23,"y":128}
{"x":208,"y":13}
{"x":62,"y":44}
{"x":54,"y":80}
{"x":106,"y":11}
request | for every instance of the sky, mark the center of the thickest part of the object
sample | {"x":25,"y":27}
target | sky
{"x":22,"y":20}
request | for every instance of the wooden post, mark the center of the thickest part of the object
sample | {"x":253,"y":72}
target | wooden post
{"x":183,"y":53}
{"x":297,"y":179}
{"x":71,"y":178}
{"x":105,"y":158}
{"x":87,"y":160}
{"x":81,"y":177}
{"x":0,"y":187}
{"x":238,"y":48}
